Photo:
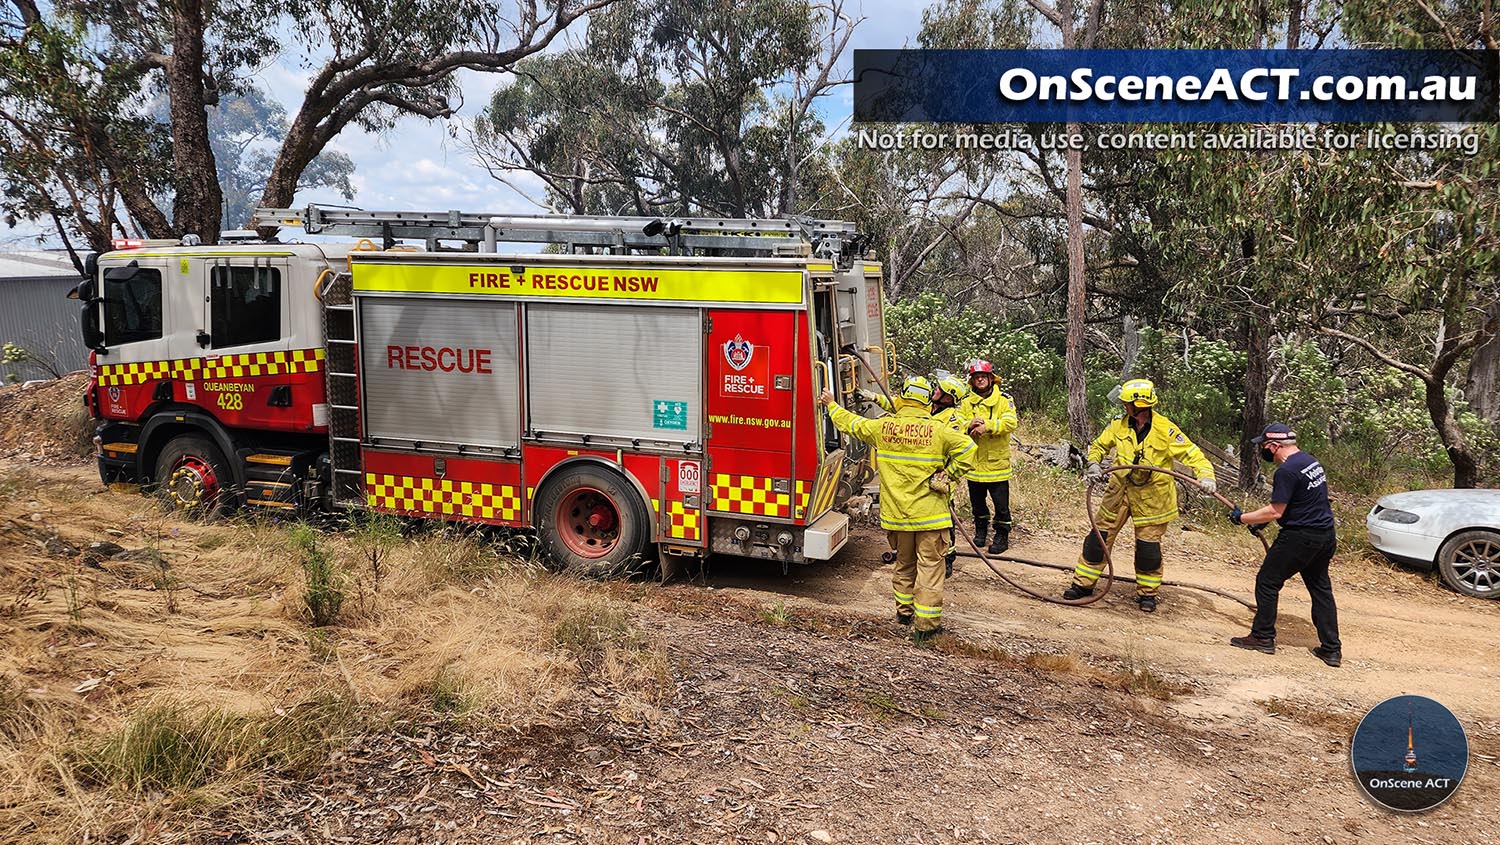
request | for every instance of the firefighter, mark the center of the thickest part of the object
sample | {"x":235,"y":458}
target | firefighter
{"x":1140,"y":435}
{"x":913,"y":452}
{"x":991,"y":419}
{"x":947,"y":396}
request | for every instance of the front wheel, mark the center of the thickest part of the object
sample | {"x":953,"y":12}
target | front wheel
{"x":192,"y":475}
{"x":591,"y":521}
{"x":1470,"y":563}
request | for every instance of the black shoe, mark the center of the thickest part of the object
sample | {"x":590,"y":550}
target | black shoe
{"x":1075,"y":592}
{"x":1147,"y":603}
{"x":1002,"y":542}
{"x":905,"y":618}
{"x":981,"y":536}
{"x":1332,"y":658}
{"x":921,"y":637}
{"x":1254,"y":644}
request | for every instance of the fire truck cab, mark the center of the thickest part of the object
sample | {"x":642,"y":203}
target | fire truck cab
{"x":643,"y":386}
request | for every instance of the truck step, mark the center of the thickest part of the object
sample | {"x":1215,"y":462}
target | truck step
{"x":270,"y":459}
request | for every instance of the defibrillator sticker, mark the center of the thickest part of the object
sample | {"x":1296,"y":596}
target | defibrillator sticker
{"x":668,"y":414}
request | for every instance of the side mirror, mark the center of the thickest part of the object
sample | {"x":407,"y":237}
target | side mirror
{"x":85,"y":291}
{"x":88,"y":317}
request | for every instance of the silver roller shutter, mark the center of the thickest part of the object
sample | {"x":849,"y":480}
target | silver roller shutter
{"x":615,"y":371}
{"x":413,"y":357}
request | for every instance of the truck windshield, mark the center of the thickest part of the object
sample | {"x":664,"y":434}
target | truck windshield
{"x":132,"y":307}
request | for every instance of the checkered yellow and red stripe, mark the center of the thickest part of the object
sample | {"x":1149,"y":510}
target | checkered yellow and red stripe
{"x":443,"y":497}
{"x":248,"y":365}
{"x":750,"y":494}
{"x":683,"y":523}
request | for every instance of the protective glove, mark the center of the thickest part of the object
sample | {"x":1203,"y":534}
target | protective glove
{"x":1208,"y":485}
{"x":940,"y":484}
{"x":1234,"y":516}
{"x":866,"y":395}
{"x":1095,"y":472}
{"x":1257,"y":529}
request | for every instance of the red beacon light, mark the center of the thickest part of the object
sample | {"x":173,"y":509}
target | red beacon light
{"x":127,"y":243}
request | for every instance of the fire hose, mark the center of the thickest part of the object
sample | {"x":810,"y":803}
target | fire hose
{"x":1093,"y":527}
{"x":1108,"y":560}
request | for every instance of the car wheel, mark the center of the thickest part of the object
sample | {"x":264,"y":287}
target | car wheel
{"x":592,"y":522}
{"x":1470,"y":563}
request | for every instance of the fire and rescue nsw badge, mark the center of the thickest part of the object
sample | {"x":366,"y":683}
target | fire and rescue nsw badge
{"x":748,"y":373}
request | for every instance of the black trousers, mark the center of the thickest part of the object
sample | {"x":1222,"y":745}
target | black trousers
{"x":999,"y":493}
{"x":1298,"y":551}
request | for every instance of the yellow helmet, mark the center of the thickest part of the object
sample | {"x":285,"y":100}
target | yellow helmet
{"x":1139,"y":392}
{"x":917,"y":389}
{"x":953,"y":386}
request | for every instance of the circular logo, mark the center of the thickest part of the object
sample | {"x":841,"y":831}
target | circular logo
{"x":1409,"y":753}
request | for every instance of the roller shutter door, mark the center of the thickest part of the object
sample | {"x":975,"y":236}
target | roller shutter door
{"x":615,"y":371}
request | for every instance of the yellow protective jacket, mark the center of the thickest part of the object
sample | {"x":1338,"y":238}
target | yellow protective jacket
{"x":992,"y":462}
{"x":910,"y":447}
{"x":1152,"y":496}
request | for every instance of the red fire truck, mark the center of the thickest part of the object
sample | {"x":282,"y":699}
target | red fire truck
{"x":640,"y":385}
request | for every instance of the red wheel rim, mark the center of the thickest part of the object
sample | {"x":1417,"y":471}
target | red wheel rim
{"x":193,"y":483}
{"x":588,"y":522}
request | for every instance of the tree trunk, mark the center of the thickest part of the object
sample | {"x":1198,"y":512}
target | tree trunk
{"x":1078,"y":411}
{"x":1465,"y":466}
{"x":1482,"y":388}
{"x":196,"y":207}
{"x":1253,"y":419}
{"x":1130,"y":345}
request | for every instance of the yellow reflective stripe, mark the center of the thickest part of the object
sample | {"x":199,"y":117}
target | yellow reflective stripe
{"x":928,"y":612}
{"x":990,"y":476}
{"x":1149,"y":580}
{"x":619,"y":282}
{"x":908,"y":457}
{"x":1080,"y":569}
{"x":1152,"y":520}
{"x":903,"y":597}
{"x":931,"y":522}
{"x":967,"y":449}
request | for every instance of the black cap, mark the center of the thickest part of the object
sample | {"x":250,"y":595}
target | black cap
{"x":1276,"y":433}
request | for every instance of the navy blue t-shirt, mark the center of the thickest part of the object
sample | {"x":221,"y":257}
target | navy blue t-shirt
{"x":1301,"y":485}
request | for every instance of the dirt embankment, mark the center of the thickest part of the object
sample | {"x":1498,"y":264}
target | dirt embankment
{"x":46,"y":422}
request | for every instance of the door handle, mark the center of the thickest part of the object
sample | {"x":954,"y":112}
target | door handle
{"x":204,"y":338}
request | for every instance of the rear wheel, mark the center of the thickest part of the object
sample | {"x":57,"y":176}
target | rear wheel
{"x":192,"y":475}
{"x":1470,"y":563}
{"x":591,"y":521}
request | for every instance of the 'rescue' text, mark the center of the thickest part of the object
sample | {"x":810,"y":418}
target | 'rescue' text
{"x":444,"y":358}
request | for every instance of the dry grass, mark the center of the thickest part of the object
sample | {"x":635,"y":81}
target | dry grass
{"x":147,"y":694}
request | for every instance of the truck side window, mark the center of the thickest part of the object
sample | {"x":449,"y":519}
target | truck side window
{"x":245,"y":305}
{"x":132,"y":308}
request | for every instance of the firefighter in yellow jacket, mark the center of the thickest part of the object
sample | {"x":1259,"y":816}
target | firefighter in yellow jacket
{"x":991,"y":419}
{"x":1148,"y":499}
{"x":911,"y":450}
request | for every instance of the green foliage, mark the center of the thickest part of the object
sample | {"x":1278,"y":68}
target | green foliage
{"x":323,"y":580}
{"x":1201,"y":392}
{"x":930,"y":334}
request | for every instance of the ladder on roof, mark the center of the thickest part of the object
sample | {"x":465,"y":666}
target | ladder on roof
{"x":833,"y":240}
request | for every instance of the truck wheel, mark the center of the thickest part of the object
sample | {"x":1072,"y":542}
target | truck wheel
{"x":1470,"y":563}
{"x":591,"y":521}
{"x":192,"y":475}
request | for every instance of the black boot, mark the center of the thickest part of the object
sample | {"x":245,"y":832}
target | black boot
{"x":1002,"y":540}
{"x":981,"y":532}
{"x":948,"y":563}
{"x":1075,"y":592}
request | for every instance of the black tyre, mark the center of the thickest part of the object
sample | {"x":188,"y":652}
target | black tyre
{"x":591,"y":521}
{"x":1470,"y":563}
{"x":192,"y":475}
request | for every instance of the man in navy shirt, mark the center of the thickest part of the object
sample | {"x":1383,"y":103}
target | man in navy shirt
{"x":1305,"y":544}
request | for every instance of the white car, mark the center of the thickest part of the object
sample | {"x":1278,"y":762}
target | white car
{"x":1455,"y":531}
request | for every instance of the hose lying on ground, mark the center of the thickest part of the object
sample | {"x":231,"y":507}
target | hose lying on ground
{"x":1109,"y":566}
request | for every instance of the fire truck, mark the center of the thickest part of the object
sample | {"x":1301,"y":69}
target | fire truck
{"x":637,"y":387}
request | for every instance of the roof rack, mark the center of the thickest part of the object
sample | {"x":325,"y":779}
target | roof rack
{"x":833,"y":240}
